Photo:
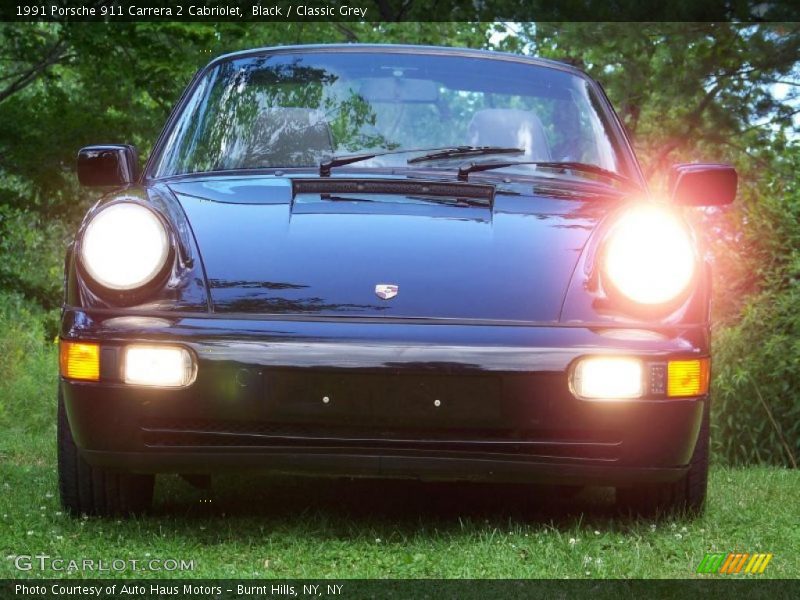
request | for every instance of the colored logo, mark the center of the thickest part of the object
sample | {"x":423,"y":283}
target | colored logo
{"x":386,"y":291}
{"x":734,"y":562}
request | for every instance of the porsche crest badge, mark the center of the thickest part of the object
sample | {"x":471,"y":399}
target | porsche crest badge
{"x":386,"y":291}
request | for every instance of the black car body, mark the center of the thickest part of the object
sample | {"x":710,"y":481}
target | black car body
{"x":406,"y":318}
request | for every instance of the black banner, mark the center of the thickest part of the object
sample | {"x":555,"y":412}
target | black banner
{"x":398,"y":10}
{"x":418,"y":589}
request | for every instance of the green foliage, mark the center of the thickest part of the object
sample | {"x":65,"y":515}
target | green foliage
{"x":28,"y":367}
{"x":685,"y":91}
{"x":34,"y":257}
{"x":757,"y":356}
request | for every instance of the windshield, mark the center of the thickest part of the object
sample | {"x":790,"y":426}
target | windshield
{"x":300,"y":109}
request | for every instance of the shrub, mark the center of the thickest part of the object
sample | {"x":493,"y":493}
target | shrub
{"x":28,"y":365}
{"x":756,"y":411}
{"x":32,"y":248}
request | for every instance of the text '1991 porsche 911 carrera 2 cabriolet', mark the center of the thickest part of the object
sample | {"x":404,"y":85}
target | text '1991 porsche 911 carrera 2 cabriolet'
{"x":387,"y":261}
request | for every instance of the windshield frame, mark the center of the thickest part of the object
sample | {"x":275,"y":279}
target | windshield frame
{"x":629,"y":165}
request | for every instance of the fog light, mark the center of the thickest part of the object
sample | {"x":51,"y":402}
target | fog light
{"x":608,"y":378}
{"x":687,"y":377}
{"x":79,"y":360}
{"x":158,"y":366}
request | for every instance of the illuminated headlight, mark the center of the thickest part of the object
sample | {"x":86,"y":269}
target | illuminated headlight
{"x":158,"y":366}
{"x":124,"y":246}
{"x":608,"y":378}
{"x":649,"y":257}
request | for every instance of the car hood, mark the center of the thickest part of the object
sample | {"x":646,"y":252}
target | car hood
{"x":265,"y":251}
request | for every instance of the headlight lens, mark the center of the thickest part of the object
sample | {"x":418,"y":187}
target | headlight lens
{"x":608,"y":378}
{"x":124,"y":246}
{"x":158,"y":366}
{"x":649,"y":256}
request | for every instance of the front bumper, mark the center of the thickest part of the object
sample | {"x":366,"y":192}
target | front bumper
{"x":436,"y":400}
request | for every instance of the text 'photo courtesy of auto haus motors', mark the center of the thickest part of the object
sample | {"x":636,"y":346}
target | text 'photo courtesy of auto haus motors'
{"x":387,"y":261}
{"x":180,"y":590}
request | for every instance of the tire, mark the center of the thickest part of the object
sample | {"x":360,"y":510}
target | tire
{"x":687,"y":494}
{"x":88,"y":490}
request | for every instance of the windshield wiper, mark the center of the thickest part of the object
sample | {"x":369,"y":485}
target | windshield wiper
{"x":465,"y":170}
{"x":461,"y":151}
{"x":434,"y":153}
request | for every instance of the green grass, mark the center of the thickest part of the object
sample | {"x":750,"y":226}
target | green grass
{"x":313,"y":528}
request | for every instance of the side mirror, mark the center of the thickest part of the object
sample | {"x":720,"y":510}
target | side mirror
{"x":699,"y":184}
{"x":108,"y":165}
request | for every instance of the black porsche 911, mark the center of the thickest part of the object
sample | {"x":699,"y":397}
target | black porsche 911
{"x":387,"y":261}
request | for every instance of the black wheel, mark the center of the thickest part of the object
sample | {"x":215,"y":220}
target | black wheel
{"x":88,"y":490}
{"x":687,"y":494}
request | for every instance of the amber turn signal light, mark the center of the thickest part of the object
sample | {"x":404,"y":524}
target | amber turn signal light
{"x":687,"y":377}
{"x":79,"y":360}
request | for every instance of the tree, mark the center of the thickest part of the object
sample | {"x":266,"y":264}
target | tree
{"x":686,"y":91}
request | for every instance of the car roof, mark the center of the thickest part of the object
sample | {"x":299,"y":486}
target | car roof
{"x":404,"y":48}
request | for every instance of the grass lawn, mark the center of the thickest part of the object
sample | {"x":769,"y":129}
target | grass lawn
{"x":313,"y":528}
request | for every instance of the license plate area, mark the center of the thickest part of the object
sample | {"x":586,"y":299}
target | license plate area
{"x":396,"y":399}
